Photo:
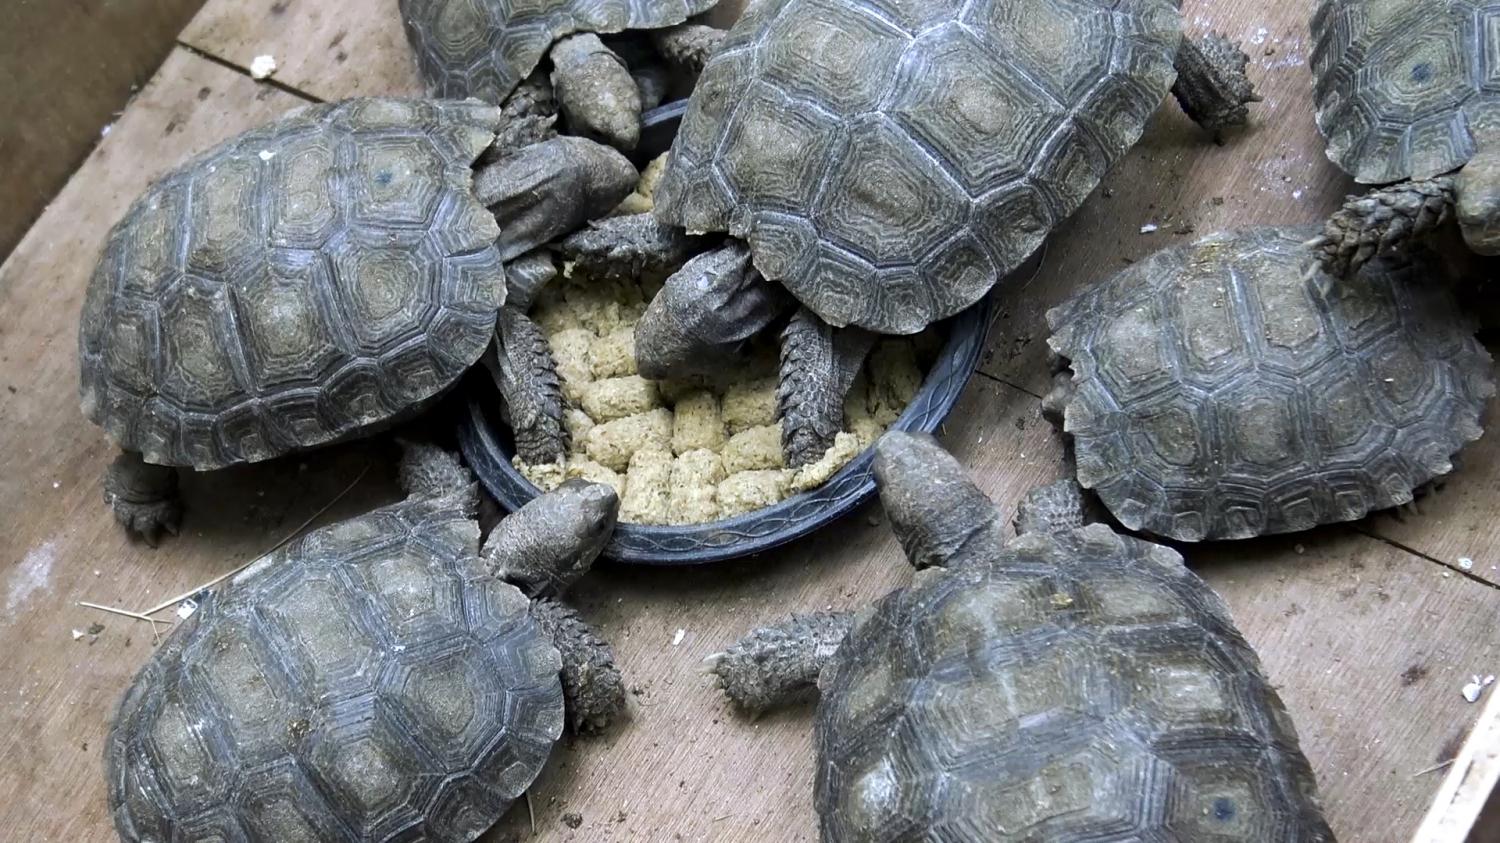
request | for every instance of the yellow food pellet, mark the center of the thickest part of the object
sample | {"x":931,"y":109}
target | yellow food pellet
{"x":551,"y":313}
{"x":846,"y":446}
{"x":547,"y":476}
{"x":570,"y":350}
{"x":749,"y":404}
{"x":696,"y":423}
{"x":648,"y":484}
{"x":617,"y":398}
{"x":748,"y":491}
{"x":694,"y":497}
{"x":643,"y":199}
{"x":611,"y":444}
{"x":894,"y":379}
{"x":577,"y":423}
{"x":583,"y":468}
{"x":754,"y":449}
{"x":613,"y":355}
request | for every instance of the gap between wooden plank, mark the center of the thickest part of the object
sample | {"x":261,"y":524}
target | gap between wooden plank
{"x":1364,"y":530}
{"x":270,"y":81}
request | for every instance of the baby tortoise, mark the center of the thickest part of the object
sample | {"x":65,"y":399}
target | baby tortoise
{"x":313,"y":280}
{"x":1217,"y":391}
{"x":1406,"y":99}
{"x":491,"y":49}
{"x":378,"y":679}
{"x":1072,"y":684}
{"x":889,"y":161}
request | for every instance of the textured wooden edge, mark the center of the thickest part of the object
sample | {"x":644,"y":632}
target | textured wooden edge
{"x":1467,"y":806}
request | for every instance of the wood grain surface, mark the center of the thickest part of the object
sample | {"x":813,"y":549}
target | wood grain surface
{"x":1368,"y":638}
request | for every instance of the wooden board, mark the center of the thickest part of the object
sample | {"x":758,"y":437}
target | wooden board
{"x":1467,"y":806}
{"x":1370,"y":644}
{"x":68,"y":69}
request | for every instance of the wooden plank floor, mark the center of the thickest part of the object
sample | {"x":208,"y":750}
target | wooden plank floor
{"x":1370,"y":630}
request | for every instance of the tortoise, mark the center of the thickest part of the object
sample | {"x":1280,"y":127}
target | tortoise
{"x":1072,"y":684}
{"x":376,"y":679}
{"x":1405,"y":100}
{"x":889,"y":160}
{"x":1218,"y":391}
{"x":313,"y":280}
{"x":491,"y":49}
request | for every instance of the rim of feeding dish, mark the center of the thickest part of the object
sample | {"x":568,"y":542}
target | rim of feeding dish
{"x":487,"y":447}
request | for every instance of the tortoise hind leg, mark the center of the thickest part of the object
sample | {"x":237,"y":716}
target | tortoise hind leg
{"x":775,"y":664}
{"x":818,"y":366}
{"x":1382,"y":220}
{"x":595,"y":91}
{"x":143,"y":496}
{"x":1212,"y":87}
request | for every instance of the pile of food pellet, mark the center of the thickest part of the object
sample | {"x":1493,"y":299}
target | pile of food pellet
{"x":688,"y":453}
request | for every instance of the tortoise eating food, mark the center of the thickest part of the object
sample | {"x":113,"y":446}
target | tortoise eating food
{"x":1072,"y":684}
{"x":490,"y":48}
{"x":314,"y":280}
{"x":889,"y":160}
{"x":378,"y":679}
{"x":1219,"y":392}
{"x":1406,"y":99}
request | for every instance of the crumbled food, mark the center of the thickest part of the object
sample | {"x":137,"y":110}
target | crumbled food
{"x":749,"y":404}
{"x":694,"y":450}
{"x":697,"y":424}
{"x":616,"y":398}
{"x":694,"y":497}
{"x":748,"y":491}
{"x":583,"y":468}
{"x":612,"y":443}
{"x":754,"y":449}
{"x":846,"y":446}
{"x":648,"y":485}
{"x":613,"y":355}
{"x":643,"y":199}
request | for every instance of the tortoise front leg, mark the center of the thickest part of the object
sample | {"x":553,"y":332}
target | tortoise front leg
{"x":1212,"y":87}
{"x":818,"y":365}
{"x":592,"y":685}
{"x":688,"y":45}
{"x":595,"y":91}
{"x":774,"y":665}
{"x":1382,"y":220}
{"x":143,"y":496}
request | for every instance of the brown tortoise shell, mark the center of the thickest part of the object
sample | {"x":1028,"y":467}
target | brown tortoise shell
{"x":890,"y":160}
{"x":1222,"y":392}
{"x":368,"y":682}
{"x":301,"y":283}
{"x":1077,"y":686}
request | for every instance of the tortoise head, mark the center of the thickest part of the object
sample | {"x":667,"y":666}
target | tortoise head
{"x":548,"y":544}
{"x":1479,"y":201}
{"x":939,"y":515}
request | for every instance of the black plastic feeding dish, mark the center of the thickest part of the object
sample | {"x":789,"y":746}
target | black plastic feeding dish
{"x":488,"y":447}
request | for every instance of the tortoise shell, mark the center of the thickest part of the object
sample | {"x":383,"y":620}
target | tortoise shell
{"x":1401,"y":85}
{"x":484,"y":48}
{"x":368,"y":682}
{"x":889,"y":160}
{"x":301,"y":283}
{"x":1222,"y":391}
{"x":1077,"y":686}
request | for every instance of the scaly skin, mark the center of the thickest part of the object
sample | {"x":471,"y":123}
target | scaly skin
{"x":526,"y":375}
{"x":544,"y":190}
{"x":143,"y":496}
{"x":775,"y":665}
{"x":627,"y":247}
{"x":687,"y":45}
{"x":699,"y":322}
{"x":1212,"y":87}
{"x":1385,"y":220}
{"x":818,"y":365}
{"x":595,"y":91}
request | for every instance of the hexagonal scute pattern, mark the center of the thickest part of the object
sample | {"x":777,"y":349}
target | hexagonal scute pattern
{"x":295,"y":285}
{"x":484,"y":48}
{"x":1121,"y":704}
{"x":1221,"y":391}
{"x":890,"y":160}
{"x":1400,"y":83}
{"x":367,"y":682}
